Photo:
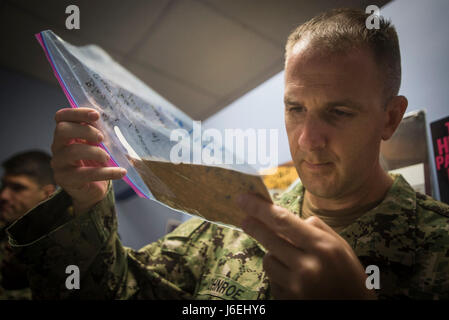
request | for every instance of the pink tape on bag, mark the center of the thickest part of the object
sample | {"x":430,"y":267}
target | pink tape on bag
{"x":111,"y":162}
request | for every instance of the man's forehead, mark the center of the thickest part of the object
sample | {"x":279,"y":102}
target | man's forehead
{"x":324,"y":88}
{"x":307,"y":59}
{"x":336,"y":76}
{"x":19,"y":179}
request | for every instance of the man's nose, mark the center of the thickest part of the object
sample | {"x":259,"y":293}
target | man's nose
{"x":5,"y":194}
{"x":313,"y":134}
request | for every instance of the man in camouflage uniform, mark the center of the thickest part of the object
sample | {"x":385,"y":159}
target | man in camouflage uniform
{"x":27,"y":180}
{"x":341,"y":85}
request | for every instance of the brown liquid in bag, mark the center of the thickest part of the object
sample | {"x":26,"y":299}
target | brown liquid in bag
{"x":205,"y":191}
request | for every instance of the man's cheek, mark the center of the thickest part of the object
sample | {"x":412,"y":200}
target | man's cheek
{"x":11,"y":215}
{"x":20,"y":207}
{"x":356,"y":162}
{"x":294,"y":150}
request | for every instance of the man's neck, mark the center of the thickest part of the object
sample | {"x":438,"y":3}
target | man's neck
{"x":372,"y":190}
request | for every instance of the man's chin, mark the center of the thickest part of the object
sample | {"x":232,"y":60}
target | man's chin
{"x":320,"y":187}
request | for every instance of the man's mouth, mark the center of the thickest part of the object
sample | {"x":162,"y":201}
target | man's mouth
{"x":316,"y":166}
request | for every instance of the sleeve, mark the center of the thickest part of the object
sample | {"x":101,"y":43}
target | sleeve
{"x":431,"y":279}
{"x":50,"y":238}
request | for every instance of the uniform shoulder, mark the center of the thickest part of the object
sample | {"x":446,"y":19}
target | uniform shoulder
{"x":197,"y":235}
{"x":432,"y":250}
{"x":430,"y":205}
{"x":180,"y":239}
{"x":432,"y":223}
{"x":198,"y":229}
{"x":188,"y":228}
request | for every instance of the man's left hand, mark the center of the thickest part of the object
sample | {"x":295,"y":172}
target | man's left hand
{"x":306,"y":259}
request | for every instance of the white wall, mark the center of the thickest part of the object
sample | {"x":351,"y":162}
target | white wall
{"x":423,"y":28}
{"x":261,"y":108}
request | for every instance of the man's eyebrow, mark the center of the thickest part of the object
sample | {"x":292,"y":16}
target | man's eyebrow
{"x":289,"y":102}
{"x":13,"y":183}
{"x":340,"y":103}
{"x":344,"y":103}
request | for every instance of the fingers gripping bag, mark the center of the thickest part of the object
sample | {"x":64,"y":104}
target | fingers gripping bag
{"x":161,"y":147}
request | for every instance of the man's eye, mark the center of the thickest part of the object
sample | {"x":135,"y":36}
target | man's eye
{"x":341,"y":113}
{"x":17,"y":187}
{"x":296,"y":109}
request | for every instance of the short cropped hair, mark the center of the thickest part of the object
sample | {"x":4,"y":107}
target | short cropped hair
{"x":340,"y":30}
{"x":34,"y":164}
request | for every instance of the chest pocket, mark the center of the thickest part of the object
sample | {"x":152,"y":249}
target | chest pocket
{"x":216,"y":286}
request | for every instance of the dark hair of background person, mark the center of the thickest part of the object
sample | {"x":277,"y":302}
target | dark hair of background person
{"x":34,"y":164}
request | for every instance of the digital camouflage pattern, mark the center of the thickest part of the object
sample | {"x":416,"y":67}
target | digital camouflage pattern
{"x":406,"y":236}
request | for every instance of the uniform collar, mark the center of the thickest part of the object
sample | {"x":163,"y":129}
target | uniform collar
{"x":386,"y":231}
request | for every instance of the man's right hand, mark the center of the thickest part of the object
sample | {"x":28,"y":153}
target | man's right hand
{"x":79,"y":165}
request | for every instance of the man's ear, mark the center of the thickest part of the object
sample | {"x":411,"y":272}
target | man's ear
{"x":49,"y":189}
{"x":395,"y":111}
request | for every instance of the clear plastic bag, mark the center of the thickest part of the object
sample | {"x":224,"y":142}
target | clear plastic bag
{"x":138,"y":125}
